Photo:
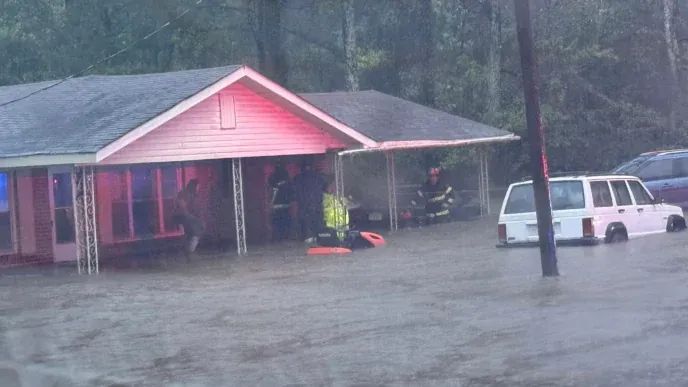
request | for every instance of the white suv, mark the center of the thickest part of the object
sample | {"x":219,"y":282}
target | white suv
{"x":587,"y":209}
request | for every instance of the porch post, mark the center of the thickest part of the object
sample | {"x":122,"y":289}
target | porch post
{"x":484,"y":183}
{"x":339,"y":184}
{"x":239,"y":206}
{"x":392,"y":191}
{"x":85,"y":221}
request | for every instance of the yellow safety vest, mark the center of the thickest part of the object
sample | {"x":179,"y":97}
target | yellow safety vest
{"x":335,"y":212}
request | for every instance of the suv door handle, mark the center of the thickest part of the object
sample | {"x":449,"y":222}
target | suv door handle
{"x":621,"y":210}
{"x":640,"y":210}
{"x":666,"y":185}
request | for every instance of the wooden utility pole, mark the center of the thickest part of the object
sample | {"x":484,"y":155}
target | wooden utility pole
{"x":536,"y":140}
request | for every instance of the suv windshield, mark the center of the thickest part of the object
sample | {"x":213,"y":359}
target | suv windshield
{"x":566,"y":195}
{"x":631,"y":167}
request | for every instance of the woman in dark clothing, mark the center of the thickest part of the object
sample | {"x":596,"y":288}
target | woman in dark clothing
{"x":186,"y":215}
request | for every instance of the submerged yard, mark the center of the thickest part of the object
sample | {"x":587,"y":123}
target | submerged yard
{"x":446,"y":309}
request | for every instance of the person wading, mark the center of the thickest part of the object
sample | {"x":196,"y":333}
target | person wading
{"x":309,"y":187}
{"x":186,"y":215}
{"x":436,"y":196}
{"x":280,"y":200}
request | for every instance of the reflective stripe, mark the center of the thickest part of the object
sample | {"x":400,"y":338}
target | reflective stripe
{"x":449,"y":189}
{"x":420,"y":193}
{"x":441,"y":213}
{"x":276,"y":206}
{"x":450,"y":200}
{"x":437,"y":199}
{"x":414,"y":202}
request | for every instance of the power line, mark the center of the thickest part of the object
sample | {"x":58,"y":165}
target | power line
{"x":125,"y":49}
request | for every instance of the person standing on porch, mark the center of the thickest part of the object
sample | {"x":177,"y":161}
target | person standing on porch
{"x":186,"y":215}
{"x":280,"y":199}
{"x":309,"y":187}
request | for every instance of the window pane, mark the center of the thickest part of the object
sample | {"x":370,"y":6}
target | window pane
{"x":4,"y":193}
{"x":64,"y":225}
{"x":119,"y":189}
{"x":601,"y":195}
{"x":656,"y":170}
{"x":566,"y":195}
{"x":641,"y":196}
{"x":145,"y":218}
{"x":120,"y":219}
{"x":62,"y":189}
{"x":623,"y":197}
{"x":170,"y":182}
{"x":5,"y":231}
{"x":168,"y":213}
{"x":142,"y":183}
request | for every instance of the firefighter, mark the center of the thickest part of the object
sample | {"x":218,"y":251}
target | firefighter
{"x":436,"y":197}
{"x":281,"y":195}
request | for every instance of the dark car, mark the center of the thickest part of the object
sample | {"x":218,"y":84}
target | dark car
{"x":665,"y":174}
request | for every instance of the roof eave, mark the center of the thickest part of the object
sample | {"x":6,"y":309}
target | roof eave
{"x":31,"y":161}
{"x":426,"y":144}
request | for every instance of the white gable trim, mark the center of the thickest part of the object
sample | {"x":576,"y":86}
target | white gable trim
{"x":215,"y":88}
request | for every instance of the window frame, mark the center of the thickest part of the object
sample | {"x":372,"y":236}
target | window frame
{"x":642,"y":186}
{"x":609,"y":189}
{"x":11,"y":209}
{"x":675,"y":169}
{"x":159,"y":200}
{"x":614,"y":193}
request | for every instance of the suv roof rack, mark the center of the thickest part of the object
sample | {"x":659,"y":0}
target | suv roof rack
{"x":569,"y":174}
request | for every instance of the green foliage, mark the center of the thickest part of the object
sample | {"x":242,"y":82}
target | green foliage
{"x":605,"y":89}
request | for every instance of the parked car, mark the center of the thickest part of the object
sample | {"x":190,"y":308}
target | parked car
{"x":587,"y":209}
{"x":665,"y":174}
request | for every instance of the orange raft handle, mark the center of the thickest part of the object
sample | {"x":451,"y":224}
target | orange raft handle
{"x":375,"y":239}
{"x":328,"y":251}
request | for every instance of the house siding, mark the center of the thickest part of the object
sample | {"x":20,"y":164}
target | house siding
{"x":261,"y":129}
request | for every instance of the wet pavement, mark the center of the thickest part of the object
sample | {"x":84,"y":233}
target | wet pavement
{"x":455,"y":312}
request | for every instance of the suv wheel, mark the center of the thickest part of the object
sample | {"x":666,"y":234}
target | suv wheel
{"x":675,"y":223}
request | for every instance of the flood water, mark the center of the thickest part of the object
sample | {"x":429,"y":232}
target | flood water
{"x":437,"y":307}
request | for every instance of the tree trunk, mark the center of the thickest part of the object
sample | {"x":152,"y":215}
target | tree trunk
{"x":427,"y":44}
{"x":264,"y":18}
{"x":493,"y":61}
{"x":673,"y":53}
{"x":349,"y":40}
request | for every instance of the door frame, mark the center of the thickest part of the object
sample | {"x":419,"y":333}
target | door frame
{"x":61,"y":250}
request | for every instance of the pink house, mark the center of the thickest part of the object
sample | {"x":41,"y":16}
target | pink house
{"x":90,"y":167}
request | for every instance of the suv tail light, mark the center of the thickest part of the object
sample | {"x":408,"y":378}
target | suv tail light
{"x":588,"y":228}
{"x":501,"y":232}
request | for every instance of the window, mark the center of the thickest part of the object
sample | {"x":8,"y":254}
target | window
{"x":621,"y":194}
{"x":657,"y":170}
{"x":639,"y":193}
{"x":5,"y":214}
{"x":64,"y":210}
{"x":566,"y":195}
{"x":601,"y":195}
{"x":143,"y":199}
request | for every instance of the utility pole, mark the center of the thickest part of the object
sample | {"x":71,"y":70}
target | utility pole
{"x":536,"y":141}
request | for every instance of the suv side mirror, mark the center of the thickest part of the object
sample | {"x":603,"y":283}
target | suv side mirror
{"x":658,"y":201}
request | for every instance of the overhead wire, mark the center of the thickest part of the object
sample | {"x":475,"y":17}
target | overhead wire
{"x":125,"y":49}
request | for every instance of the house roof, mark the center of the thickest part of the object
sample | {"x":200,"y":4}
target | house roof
{"x":385,"y":118}
{"x":82,"y":115}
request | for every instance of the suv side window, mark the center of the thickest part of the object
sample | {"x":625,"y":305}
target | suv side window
{"x":621,"y":193}
{"x":659,"y":170}
{"x":639,"y":193}
{"x":601,"y":195}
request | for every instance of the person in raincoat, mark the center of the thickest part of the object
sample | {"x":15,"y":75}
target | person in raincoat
{"x":335,"y":210}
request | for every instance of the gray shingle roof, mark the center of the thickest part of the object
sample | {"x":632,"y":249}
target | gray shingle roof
{"x":383,"y":117}
{"x":82,"y":115}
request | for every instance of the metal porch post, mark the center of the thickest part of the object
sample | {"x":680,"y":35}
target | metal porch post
{"x":339,"y":183}
{"x":239,"y":206}
{"x":85,"y":220}
{"x":484,"y":183}
{"x":392,"y":191}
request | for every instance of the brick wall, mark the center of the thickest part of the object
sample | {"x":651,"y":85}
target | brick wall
{"x":42,"y":221}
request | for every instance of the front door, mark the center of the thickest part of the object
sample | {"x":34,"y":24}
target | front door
{"x":62,"y":212}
